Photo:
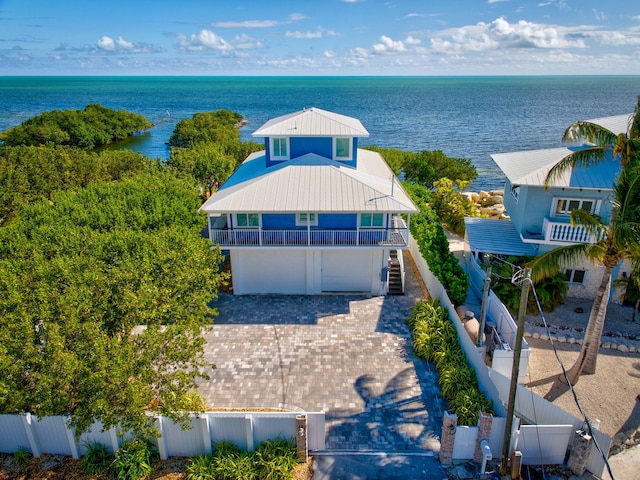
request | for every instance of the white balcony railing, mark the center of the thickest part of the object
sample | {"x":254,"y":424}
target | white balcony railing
{"x":239,"y":237}
{"x":563,"y":232}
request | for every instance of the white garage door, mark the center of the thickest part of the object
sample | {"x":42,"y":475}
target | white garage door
{"x":270,"y":272}
{"x":346,"y":271}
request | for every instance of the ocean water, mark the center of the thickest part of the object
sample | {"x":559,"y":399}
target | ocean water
{"x":470,"y":117}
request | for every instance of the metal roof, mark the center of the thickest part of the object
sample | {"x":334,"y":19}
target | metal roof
{"x":312,"y":122}
{"x":496,"y":236}
{"x":617,"y":124}
{"x":311,"y":183}
{"x":532,"y":166}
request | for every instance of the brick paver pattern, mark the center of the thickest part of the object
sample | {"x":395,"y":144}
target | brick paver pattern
{"x":347,"y":355}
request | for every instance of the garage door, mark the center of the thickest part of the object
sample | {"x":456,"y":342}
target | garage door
{"x":346,"y":271}
{"x":272,"y":272}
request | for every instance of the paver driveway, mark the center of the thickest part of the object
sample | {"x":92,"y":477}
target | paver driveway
{"x":347,"y":355}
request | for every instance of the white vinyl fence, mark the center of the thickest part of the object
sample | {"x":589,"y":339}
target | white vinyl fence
{"x":246,"y":429}
{"x":541,"y":430}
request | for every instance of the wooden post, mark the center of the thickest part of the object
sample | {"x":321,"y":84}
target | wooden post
{"x":515,"y":369}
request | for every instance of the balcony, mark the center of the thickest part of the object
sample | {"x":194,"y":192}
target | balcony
{"x":396,"y":237}
{"x":558,"y":232}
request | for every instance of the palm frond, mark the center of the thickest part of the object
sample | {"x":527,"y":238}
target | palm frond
{"x":591,"y":222}
{"x":585,"y":157}
{"x":589,"y":132}
{"x":550,"y":263}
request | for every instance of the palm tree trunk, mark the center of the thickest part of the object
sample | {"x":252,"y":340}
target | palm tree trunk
{"x":586,"y":362}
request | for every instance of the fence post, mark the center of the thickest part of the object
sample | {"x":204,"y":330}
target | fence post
{"x":113,"y":437}
{"x":302,"y":444}
{"x":206,"y":433}
{"x":70,"y":438}
{"x":580,"y":449}
{"x":27,"y":421}
{"x":249,"y":431}
{"x":449,"y":425}
{"x":484,"y":432}
{"x":162,"y":445}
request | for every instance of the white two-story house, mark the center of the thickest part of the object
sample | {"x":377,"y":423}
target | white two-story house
{"x":539,"y":217}
{"x":312,"y":213}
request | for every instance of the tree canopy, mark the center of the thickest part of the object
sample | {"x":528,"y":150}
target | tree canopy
{"x":206,"y":127}
{"x":29,"y":173}
{"x":78,"y":277}
{"x":87,"y":129}
{"x":427,"y":167}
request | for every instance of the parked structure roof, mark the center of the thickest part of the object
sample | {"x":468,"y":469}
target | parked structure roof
{"x":311,"y":183}
{"x":531,"y":167}
{"x":498,"y":237}
{"x":312,"y":122}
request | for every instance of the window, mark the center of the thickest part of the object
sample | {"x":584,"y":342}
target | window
{"x":515,"y":192}
{"x":371,"y":220}
{"x":564,"y":206}
{"x":575,"y":276}
{"x":342,"y":148}
{"x":247,"y":220}
{"x":279,"y":147}
{"x":304,"y":219}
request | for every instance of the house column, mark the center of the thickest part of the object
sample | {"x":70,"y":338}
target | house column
{"x":448,"y":437}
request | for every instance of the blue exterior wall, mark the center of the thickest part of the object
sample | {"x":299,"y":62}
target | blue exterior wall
{"x":299,"y":146}
{"x":329,"y":221}
{"x":535,"y":203}
{"x":319,"y":145}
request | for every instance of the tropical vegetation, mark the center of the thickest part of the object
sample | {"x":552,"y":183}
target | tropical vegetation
{"x":433,"y":244}
{"x":436,"y":340}
{"x":93,"y":127}
{"x":615,"y":240}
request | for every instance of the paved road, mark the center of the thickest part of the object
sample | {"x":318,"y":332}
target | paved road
{"x":347,"y":355}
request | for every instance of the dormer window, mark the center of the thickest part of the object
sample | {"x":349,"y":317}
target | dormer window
{"x":342,"y":149}
{"x":279,"y":148}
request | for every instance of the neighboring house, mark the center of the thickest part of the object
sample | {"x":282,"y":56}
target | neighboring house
{"x":312,"y":213}
{"x":539,"y":218}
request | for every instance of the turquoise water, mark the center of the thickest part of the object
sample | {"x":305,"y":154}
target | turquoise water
{"x":469,"y":117}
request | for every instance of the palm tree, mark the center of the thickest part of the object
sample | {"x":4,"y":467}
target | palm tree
{"x":618,"y":240}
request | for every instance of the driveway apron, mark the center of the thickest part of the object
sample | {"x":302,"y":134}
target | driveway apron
{"x":347,"y":355}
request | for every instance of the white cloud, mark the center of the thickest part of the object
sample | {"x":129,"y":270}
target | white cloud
{"x":246,"y":42}
{"x":387,"y":45}
{"x":412,"y":40}
{"x":294,"y":17}
{"x":329,"y":54}
{"x":502,"y":34}
{"x":305,"y":35}
{"x":108,"y":45}
{"x":599,"y":15}
{"x":204,"y":40}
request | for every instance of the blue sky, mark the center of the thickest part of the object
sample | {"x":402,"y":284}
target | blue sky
{"x":319,"y":37}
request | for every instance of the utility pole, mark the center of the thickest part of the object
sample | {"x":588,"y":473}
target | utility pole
{"x":483,"y":307}
{"x":525,"y":275}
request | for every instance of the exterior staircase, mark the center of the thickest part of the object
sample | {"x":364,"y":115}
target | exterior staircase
{"x":396,"y":286}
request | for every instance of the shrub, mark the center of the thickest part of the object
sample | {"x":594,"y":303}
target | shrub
{"x":133,"y":460}
{"x":434,"y":246}
{"x":21,"y":457}
{"x":97,"y":459}
{"x":435,"y":339}
{"x":276,"y":459}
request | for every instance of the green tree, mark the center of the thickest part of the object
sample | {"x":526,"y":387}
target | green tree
{"x":31,"y":173}
{"x":615,"y":241}
{"x":206,"y":162}
{"x":450,"y":205}
{"x":206,"y":127}
{"x":104,"y":294}
{"x":92,"y":127}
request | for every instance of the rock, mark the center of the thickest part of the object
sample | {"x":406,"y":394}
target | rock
{"x":535,"y":335}
{"x":491,"y":201}
{"x":499,"y":192}
{"x":493,"y":211}
{"x":571,"y":340}
{"x":606,"y":345}
{"x":562,"y":339}
{"x":623,"y":348}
